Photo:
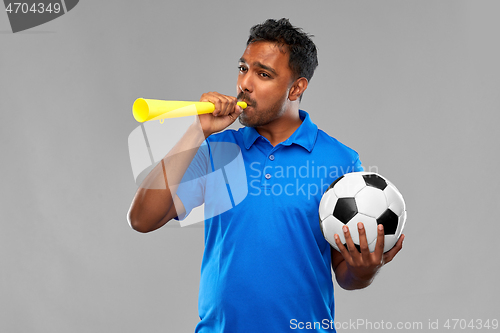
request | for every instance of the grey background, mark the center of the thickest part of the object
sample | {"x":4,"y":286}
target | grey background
{"x":411,"y":85}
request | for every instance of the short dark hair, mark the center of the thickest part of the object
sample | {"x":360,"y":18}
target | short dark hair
{"x":303,"y":54}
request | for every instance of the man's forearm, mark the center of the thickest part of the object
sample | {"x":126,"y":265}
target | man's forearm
{"x":154,"y":201}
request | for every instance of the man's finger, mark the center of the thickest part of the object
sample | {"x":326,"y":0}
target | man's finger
{"x":216,"y":102}
{"x":363,"y":242}
{"x":379,"y":247}
{"x":353,"y":251}
{"x":342,"y":249}
{"x":227,"y":105}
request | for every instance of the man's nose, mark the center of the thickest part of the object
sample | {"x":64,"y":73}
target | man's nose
{"x":245,"y":83}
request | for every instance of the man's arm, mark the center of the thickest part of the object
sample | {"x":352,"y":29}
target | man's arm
{"x":155,"y":202}
{"x":357,"y":270}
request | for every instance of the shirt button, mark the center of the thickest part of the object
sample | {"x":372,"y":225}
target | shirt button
{"x":268,"y":176}
{"x":271,"y":157}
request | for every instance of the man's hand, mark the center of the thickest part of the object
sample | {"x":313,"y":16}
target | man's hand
{"x":225,"y":113}
{"x":361,"y":267}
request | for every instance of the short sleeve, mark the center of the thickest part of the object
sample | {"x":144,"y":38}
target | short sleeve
{"x":358,"y":166}
{"x":191,"y":190}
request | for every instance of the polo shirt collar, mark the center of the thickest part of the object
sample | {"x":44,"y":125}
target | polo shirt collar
{"x":304,"y":136}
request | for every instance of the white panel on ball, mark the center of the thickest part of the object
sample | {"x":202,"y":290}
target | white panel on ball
{"x":401,"y":224}
{"x":371,"y":201}
{"x":390,"y":183}
{"x":395,"y":200}
{"x":327,"y":203}
{"x":349,"y":186}
{"x":370,"y":224}
{"x":389,"y":242}
{"x":332,"y":226}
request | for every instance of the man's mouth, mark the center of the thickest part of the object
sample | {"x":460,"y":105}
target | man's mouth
{"x":242,"y":97}
{"x":245,"y":100}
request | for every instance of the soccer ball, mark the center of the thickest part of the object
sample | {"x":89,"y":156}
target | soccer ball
{"x":364,"y":197}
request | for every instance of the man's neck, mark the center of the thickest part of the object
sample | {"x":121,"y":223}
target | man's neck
{"x":282,"y":128}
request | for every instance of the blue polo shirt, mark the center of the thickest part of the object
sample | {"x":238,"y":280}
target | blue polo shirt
{"x":266,"y":265}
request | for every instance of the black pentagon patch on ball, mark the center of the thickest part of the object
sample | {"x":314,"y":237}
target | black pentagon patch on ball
{"x":345,"y":209}
{"x":375,"y":181}
{"x":389,"y":220}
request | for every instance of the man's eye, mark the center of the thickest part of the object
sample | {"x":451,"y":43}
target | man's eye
{"x":242,"y":68}
{"x":264,"y":75}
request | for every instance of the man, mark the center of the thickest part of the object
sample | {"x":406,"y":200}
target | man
{"x":266,"y":265}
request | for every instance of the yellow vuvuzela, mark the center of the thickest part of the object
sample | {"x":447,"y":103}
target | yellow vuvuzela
{"x":154,"y":109}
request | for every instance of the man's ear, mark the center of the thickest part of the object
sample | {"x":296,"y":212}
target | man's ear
{"x":297,"y":89}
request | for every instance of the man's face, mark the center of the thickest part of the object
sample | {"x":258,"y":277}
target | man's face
{"x":263,"y":82}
